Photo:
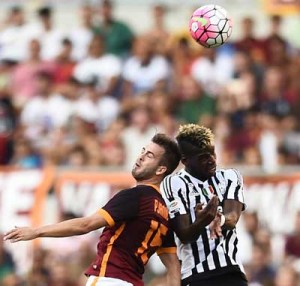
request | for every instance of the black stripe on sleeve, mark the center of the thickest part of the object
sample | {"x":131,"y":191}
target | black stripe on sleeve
{"x":227,"y":189}
{"x":168,"y":188}
{"x":186,"y":207}
{"x":236,"y":192}
{"x":187,"y":192}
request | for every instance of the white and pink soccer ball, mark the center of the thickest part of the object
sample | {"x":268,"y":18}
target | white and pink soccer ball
{"x":210,"y":26}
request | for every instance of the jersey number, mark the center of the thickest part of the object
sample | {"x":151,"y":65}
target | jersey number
{"x":153,"y":239}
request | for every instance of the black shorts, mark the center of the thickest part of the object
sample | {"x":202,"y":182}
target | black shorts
{"x":227,"y":279}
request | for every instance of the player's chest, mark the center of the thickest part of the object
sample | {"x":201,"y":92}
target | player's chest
{"x":202,"y":193}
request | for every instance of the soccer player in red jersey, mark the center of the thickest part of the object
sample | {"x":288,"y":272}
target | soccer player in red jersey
{"x":135,"y":221}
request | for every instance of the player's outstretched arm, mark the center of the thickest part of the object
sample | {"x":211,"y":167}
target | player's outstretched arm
{"x":65,"y":228}
{"x":188,"y":232}
{"x":172,"y":265}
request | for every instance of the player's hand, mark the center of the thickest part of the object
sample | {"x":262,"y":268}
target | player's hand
{"x":208,"y":213}
{"x":20,"y":233}
{"x":215,"y":227}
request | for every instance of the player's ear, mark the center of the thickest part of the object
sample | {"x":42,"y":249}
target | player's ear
{"x":183,"y":159}
{"x":161,"y":170}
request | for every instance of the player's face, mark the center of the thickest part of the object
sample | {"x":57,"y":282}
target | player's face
{"x":203,"y":166}
{"x":148,"y":161}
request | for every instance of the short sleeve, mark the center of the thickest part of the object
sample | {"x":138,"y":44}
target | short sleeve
{"x":122,"y":207}
{"x":234,"y":186}
{"x":168,"y":244}
{"x":173,"y":190}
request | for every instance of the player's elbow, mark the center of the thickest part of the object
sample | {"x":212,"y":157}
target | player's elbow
{"x":86,"y":226}
{"x":231,"y":220}
{"x":187,"y":237}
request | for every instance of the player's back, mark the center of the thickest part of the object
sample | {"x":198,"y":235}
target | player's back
{"x":138,"y":227}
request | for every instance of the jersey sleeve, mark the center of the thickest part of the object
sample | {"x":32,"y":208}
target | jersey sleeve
{"x":173,"y":190}
{"x":168,"y":244}
{"x":123,"y":206}
{"x":234,"y":187}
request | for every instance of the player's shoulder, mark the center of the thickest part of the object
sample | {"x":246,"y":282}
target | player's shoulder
{"x":231,"y":174}
{"x":173,"y":179}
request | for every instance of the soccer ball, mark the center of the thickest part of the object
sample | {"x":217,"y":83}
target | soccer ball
{"x":210,"y":26}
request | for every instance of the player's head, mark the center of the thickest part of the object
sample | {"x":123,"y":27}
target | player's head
{"x":157,"y":160}
{"x":196,"y":144}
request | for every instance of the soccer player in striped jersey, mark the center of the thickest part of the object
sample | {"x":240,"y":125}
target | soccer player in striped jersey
{"x":135,"y":220}
{"x":204,"y":206}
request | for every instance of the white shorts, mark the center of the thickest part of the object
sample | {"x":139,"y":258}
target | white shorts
{"x":106,"y":281}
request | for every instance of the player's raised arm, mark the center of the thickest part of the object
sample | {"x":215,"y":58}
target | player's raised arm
{"x":65,"y":228}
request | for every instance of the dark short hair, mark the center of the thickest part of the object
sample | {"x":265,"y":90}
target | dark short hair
{"x":45,"y":11}
{"x":194,"y":139}
{"x":171,"y":156}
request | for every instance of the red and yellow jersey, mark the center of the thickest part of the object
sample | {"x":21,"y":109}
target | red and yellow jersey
{"x":138,"y":227}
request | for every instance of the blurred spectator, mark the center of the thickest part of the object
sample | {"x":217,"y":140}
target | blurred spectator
{"x":7,"y":265}
{"x":250,"y":225}
{"x":244,"y":65}
{"x":292,"y":90}
{"x":159,"y":33}
{"x":287,"y":276}
{"x":290,"y":144}
{"x":97,"y":107}
{"x":272,"y":99}
{"x":111,"y":144}
{"x":49,"y":35}
{"x":8,"y":114}
{"x":117,"y":35}
{"x":60,"y":275}
{"x":144,"y":69}
{"x":99,"y":66}
{"x":260,"y":269}
{"x":194,"y":102}
{"x":38,"y":274}
{"x":245,"y":133}
{"x":24,"y":85}
{"x":248,"y":42}
{"x":14,"y":37}
{"x":137,"y":133}
{"x":64,"y":64}
{"x":84,"y":133}
{"x":82,"y":34}
{"x":269,"y":143}
{"x":24,"y":155}
{"x":182,"y":56}
{"x":45,"y":112}
{"x":212,"y":70}
{"x":292,"y":244}
{"x":77,"y":157}
{"x":11,"y":280}
{"x":275,"y":46}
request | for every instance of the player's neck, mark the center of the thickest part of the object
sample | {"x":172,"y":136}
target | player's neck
{"x":196,"y":175}
{"x":149,"y":182}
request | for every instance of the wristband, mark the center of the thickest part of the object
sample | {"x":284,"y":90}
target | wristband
{"x":222,"y":220}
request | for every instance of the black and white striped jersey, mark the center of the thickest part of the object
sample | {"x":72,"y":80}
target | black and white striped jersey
{"x":205,"y":257}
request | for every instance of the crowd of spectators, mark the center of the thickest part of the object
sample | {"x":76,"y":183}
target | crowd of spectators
{"x":92,"y":96}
